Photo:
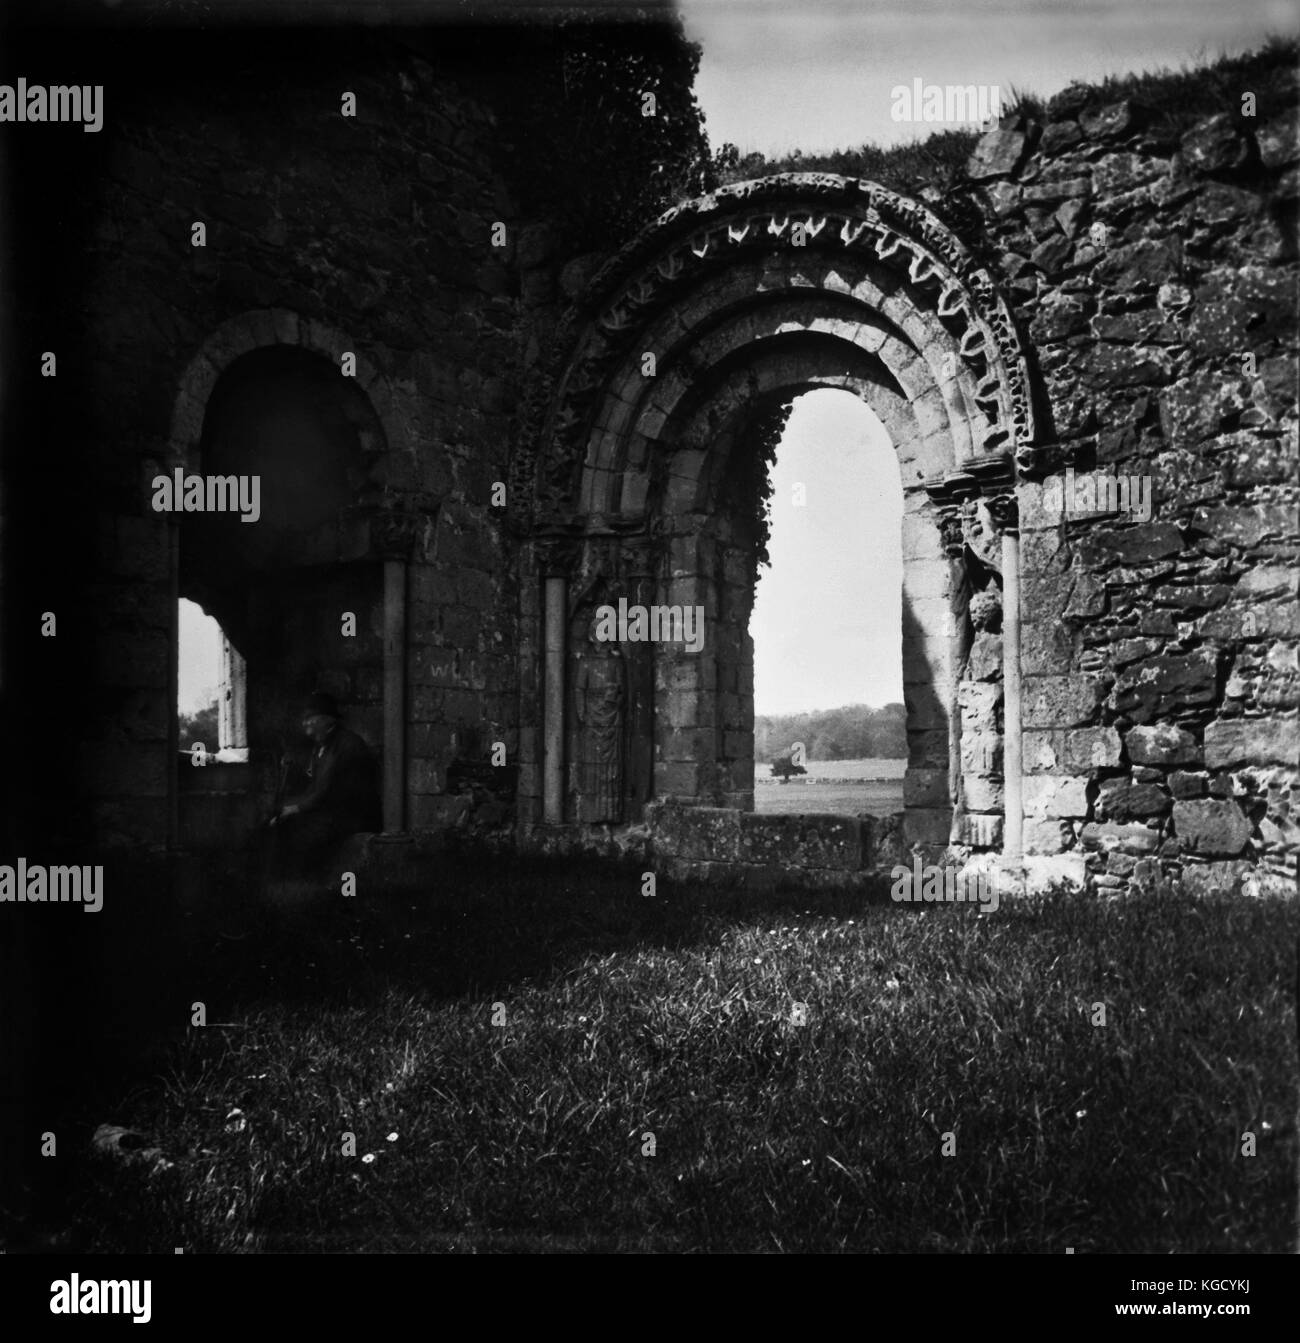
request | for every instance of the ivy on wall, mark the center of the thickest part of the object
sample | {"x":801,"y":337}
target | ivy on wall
{"x":750,"y":478}
{"x":605,"y":131}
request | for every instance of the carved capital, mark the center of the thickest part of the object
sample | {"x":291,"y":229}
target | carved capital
{"x":981,"y":534}
{"x":558,"y":556}
{"x":393,"y":535}
{"x":1004,"y":510}
{"x":950,"y":531}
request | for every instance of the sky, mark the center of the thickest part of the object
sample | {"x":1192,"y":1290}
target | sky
{"x":817,"y":75}
{"x":827,"y":620}
{"x":199,"y":663}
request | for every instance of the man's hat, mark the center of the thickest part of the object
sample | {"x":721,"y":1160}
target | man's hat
{"x":320,"y":701}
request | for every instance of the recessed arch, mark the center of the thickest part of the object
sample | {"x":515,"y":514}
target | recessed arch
{"x":621,"y":480}
{"x":245,"y":333}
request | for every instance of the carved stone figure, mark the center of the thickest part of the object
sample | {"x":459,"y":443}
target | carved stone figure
{"x":600,"y":694}
{"x":978,"y":787}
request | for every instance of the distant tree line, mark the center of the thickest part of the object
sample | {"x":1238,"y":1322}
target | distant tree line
{"x":199,"y":727}
{"x":853,"y":732}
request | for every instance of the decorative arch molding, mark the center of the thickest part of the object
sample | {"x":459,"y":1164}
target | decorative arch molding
{"x":620,"y":487}
{"x":917,"y":273}
{"x":256,"y":330}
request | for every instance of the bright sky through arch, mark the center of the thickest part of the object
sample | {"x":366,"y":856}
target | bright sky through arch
{"x":198,"y":658}
{"x":827,"y":621}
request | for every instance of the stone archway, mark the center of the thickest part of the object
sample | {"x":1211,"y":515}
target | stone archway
{"x":330,"y":539}
{"x":623,"y":484}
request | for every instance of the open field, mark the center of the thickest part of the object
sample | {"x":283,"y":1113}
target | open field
{"x":539,"y":1058}
{"x":833,"y":787}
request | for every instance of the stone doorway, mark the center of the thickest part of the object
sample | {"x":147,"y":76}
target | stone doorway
{"x":638,"y":485}
{"x":299,"y":593}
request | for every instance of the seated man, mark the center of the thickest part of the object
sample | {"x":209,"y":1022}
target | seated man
{"x":342,"y":796}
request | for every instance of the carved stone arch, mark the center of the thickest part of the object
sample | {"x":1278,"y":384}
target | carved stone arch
{"x":841,"y":220}
{"x":766,"y":289}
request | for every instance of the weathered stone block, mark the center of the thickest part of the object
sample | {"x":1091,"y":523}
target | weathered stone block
{"x":1130,"y":838}
{"x":1060,"y":701}
{"x":1113,"y":120}
{"x":1123,"y":800}
{"x":1089,"y":748}
{"x":1138,"y":544}
{"x":980,"y":702}
{"x":1278,"y":142}
{"x":981,"y":752}
{"x":1202,"y":879}
{"x":1143,"y":265}
{"x":1211,"y":826}
{"x":1248,"y":526}
{"x":1059,"y":316}
{"x":802,"y":841}
{"x":981,"y":831}
{"x":925,"y":788}
{"x":1161,"y":685}
{"x":1047,"y":647}
{"x":1047,"y":834}
{"x":1214,"y":145}
{"x":982,"y":792}
{"x":1054,"y":795}
{"x":1162,"y":744}
{"x":1040,"y":752}
{"x":1058,"y":137}
{"x":997,"y":154}
{"x":697,"y":832}
{"x":1185,"y":784}
{"x":928,"y":828}
{"x":1233,"y":742}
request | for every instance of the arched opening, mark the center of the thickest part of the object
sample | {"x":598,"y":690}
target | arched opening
{"x":291,"y":582}
{"x":829,"y":723}
{"x":212,"y":690}
{"x":641,"y":484}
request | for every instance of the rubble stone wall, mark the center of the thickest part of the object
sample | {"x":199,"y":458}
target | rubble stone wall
{"x":1157,"y":280}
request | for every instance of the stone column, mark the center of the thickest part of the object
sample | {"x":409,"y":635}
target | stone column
{"x":394,"y":696}
{"x":392,"y":536}
{"x":950,"y":532}
{"x":554,"y":618}
{"x":1013,"y":834}
{"x":173,"y":682}
{"x":232,"y":711}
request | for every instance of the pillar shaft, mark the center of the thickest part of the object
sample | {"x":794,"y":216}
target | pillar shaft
{"x":394,"y":696}
{"x":1013,"y":826}
{"x":553,"y":703}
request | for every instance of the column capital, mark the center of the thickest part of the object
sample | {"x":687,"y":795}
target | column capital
{"x":393,"y":534}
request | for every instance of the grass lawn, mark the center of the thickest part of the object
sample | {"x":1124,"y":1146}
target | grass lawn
{"x":677,"y":1016}
{"x":833,"y":788}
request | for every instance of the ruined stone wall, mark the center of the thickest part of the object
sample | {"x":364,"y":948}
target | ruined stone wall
{"x":370,"y":234}
{"x":1156,"y":277}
